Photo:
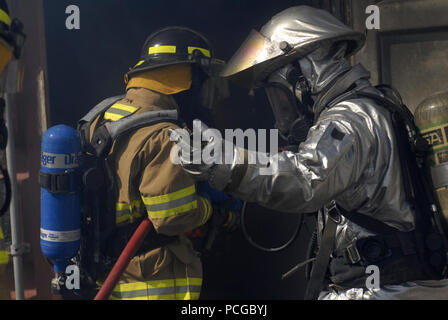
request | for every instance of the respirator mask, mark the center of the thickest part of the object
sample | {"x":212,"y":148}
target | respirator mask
{"x":207,"y":91}
{"x":289,"y":96}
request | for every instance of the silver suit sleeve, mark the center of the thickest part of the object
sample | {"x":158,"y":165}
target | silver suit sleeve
{"x":332,"y":159}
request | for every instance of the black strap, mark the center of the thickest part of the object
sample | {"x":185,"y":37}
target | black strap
{"x":59,"y":182}
{"x":320,"y":267}
{"x":339,"y":86}
{"x":85,"y":122}
{"x":7,"y":182}
{"x":405,"y":131}
{"x":106,"y":134}
{"x":368,"y":223}
{"x":411,"y":149}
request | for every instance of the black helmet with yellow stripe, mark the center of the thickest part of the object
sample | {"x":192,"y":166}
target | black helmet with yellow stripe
{"x":174,"y":45}
{"x":5,"y":19}
{"x":11,"y":30}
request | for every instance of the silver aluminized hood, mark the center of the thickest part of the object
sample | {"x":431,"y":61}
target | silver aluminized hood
{"x":302,"y":29}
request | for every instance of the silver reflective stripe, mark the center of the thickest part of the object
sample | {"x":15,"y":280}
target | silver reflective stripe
{"x":156,"y":291}
{"x":136,"y":210}
{"x":118,"y":111}
{"x":122,"y":212}
{"x":59,"y":161}
{"x":99,"y":108}
{"x":439,"y":175}
{"x":171,"y":204}
{"x":60,"y":236}
{"x":116,"y":128}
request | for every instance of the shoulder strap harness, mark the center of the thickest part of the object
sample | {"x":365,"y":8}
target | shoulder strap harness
{"x":105,"y":135}
{"x":426,"y":241}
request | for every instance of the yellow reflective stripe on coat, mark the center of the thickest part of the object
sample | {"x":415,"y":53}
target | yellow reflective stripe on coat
{"x":171,"y":204}
{"x":5,"y":18}
{"x":162,"y":49}
{"x":171,"y":289}
{"x":205,"y":52}
{"x":208,"y":210}
{"x":4,"y":257}
{"x":119,"y":111}
{"x":126,"y":211}
{"x":4,"y":254}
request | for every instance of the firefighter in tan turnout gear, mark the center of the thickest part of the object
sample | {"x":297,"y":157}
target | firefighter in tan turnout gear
{"x":11,"y":44}
{"x":174,"y":66}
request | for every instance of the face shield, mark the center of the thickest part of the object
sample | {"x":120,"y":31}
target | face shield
{"x":208,"y":90}
{"x":253,"y":61}
{"x":292,"y":118}
{"x":288,"y":36}
{"x":214,"y":89}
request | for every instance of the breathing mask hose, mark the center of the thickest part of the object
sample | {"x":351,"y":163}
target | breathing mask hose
{"x":123,"y":261}
{"x":274,"y":249}
{"x":297,"y":133}
{"x":310,"y":253}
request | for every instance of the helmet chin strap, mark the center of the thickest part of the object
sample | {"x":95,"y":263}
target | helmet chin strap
{"x":191,"y":102}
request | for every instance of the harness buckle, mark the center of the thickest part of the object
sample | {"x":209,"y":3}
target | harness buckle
{"x":334,"y":213}
{"x":353,"y":253}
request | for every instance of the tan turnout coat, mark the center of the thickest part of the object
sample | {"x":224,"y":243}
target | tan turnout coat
{"x":150,"y":184}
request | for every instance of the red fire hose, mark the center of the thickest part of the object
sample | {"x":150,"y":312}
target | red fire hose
{"x":124,"y":259}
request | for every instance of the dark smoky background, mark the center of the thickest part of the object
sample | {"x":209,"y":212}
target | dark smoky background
{"x":87,"y":65}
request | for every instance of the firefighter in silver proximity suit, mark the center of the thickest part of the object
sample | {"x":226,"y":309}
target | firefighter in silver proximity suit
{"x":348,"y":160}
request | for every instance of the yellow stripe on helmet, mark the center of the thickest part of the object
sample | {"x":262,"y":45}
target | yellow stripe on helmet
{"x":205,"y":52}
{"x":162,"y":49}
{"x":5,"y":18}
{"x":139,"y":63}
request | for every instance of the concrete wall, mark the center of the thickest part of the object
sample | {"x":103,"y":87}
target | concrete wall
{"x":410,"y":49}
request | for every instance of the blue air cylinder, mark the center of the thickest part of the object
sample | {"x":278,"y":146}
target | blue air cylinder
{"x":60,"y":196}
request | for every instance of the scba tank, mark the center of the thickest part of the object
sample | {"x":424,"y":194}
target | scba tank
{"x":60,"y":196}
{"x":431,"y":117}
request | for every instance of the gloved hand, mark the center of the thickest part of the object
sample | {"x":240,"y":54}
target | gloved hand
{"x":218,"y":174}
{"x":186,"y":152}
{"x":226,"y":212}
{"x":218,"y":198}
{"x":226,"y":207}
{"x":233,"y":220}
